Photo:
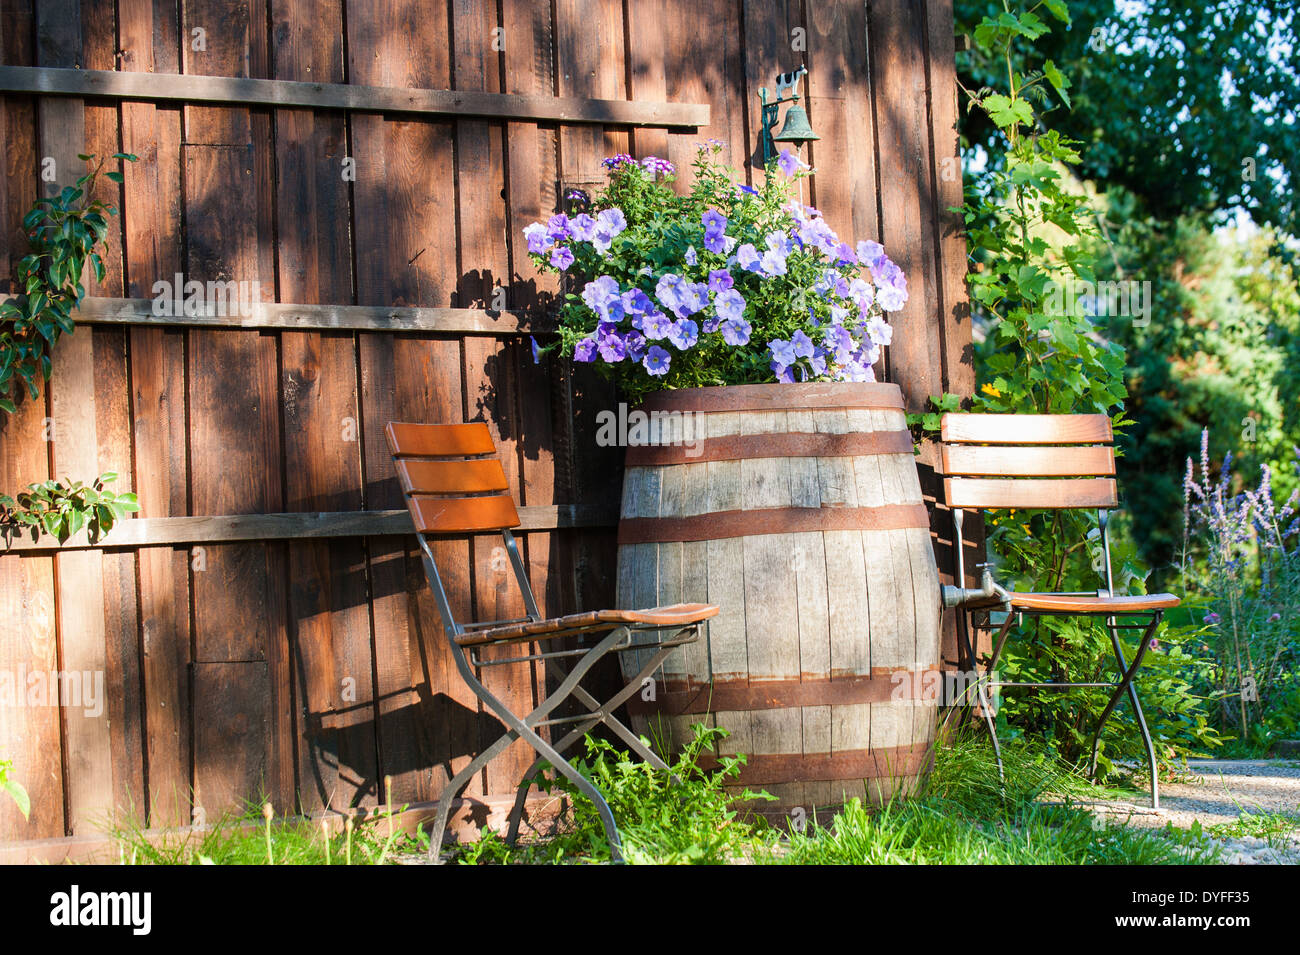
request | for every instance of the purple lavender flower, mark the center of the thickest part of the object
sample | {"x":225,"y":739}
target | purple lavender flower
{"x":656,"y":360}
{"x":684,"y":333}
{"x":561,"y":257}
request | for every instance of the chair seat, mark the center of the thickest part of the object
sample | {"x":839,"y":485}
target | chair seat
{"x":676,"y":615}
{"x":1071,"y":603}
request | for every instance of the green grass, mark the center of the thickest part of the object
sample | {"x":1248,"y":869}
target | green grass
{"x":251,"y":838}
{"x":964,"y":816}
{"x":1274,"y":828}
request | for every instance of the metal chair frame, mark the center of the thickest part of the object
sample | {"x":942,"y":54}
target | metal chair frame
{"x":618,"y":639}
{"x":1127,"y":670}
{"x":657,"y":632}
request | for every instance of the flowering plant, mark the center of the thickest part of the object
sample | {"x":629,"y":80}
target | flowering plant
{"x":724,"y":285}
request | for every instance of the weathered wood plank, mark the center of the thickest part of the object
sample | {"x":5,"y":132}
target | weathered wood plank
{"x":248,"y":91}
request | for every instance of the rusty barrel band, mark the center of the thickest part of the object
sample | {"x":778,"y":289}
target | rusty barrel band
{"x":719,"y":525}
{"x":794,"y":444}
{"x":831,"y":396}
{"x":895,"y":762}
{"x":884,"y":685}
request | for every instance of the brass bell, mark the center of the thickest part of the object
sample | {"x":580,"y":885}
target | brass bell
{"x":797,"y":129}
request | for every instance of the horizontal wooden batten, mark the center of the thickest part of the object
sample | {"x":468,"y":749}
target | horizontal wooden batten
{"x":884,"y":685}
{"x":1028,"y":461}
{"x":757,"y":522}
{"x":1026,"y":429}
{"x":763,"y":769}
{"x":164,"y":531}
{"x":739,"y":447}
{"x":798,"y":397}
{"x":1030,"y":493}
{"x":373,"y":318}
{"x":245,"y":91}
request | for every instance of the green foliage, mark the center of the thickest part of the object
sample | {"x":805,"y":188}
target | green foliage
{"x":64,"y":231}
{"x":1168,"y":99}
{"x":692,"y":821}
{"x":14,"y":789}
{"x":63,"y":508}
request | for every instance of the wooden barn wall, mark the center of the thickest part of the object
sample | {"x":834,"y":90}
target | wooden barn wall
{"x":306,"y":671}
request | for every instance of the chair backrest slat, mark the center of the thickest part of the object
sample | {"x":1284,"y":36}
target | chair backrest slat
{"x":449,"y":488}
{"x":451,"y":477}
{"x":436,"y":514}
{"x":1028,"y":461}
{"x":1030,"y":493}
{"x":1026,"y":429}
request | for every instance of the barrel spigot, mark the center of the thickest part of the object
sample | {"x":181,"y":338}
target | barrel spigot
{"x":954,"y":596}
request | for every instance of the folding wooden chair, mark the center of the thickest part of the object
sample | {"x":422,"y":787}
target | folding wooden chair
{"x":1033,"y":462}
{"x":455,"y":486}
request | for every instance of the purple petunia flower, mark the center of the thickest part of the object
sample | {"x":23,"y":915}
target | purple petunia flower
{"x":582,"y":227}
{"x":537,"y":350}
{"x":690,"y":257}
{"x":558,"y":227}
{"x":782,"y":352}
{"x":713,"y":221}
{"x":684,"y":333}
{"x":773,"y":262}
{"x":635,"y":343}
{"x":611,"y":347}
{"x":790,"y":163}
{"x":736,"y":331}
{"x":585,"y":350}
{"x":717,"y":242}
{"x":870,"y":253}
{"x":720,"y":280}
{"x":656,"y":360}
{"x":891,"y":299}
{"x":613,"y":162}
{"x":656,"y":325}
{"x":539,"y":240}
{"x":879,"y":331}
{"x":656,"y":166}
{"x":730,"y":305}
{"x":561,"y":257}
{"x":801,"y":344}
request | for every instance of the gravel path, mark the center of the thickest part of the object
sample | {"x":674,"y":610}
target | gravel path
{"x":1220,"y":792}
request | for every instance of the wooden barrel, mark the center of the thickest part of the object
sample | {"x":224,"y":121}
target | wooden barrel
{"x":798,"y":511}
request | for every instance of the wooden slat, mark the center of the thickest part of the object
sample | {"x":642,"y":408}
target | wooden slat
{"x":1030,"y":493}
{"x":1026,"y":429}
{"x":168,"y":531}
{"x":406,"y":439}
{"x":441,"y":515}
{"x":452,"y":477}
{"x":247,"y":91}
{"x":285,"y":315}
{"x":1095,"y":461}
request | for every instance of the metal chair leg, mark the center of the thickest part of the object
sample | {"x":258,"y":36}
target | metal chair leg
{"x":603,"y":713}
{"x":1126,"y":686}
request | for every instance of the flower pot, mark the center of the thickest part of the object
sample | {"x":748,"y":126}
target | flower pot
{"x":797,"y":510}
